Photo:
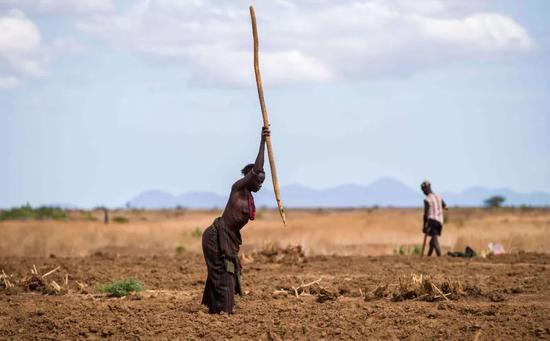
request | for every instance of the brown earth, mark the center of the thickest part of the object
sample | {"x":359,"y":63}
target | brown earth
{"x":503,"y":297}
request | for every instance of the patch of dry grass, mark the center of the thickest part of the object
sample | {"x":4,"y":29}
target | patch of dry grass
{"x":343,"y":232}
{"x":418,"y":287}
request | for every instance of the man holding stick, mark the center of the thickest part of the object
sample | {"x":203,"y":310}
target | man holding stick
{"x":221,"y":241}
{"x":433,"y":218}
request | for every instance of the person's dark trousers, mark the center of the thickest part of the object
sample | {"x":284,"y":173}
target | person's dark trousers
{"x":434,"y":245}
{"x":434,"y":230}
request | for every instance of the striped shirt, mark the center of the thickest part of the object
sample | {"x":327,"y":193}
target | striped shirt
{"x":435,"y":207}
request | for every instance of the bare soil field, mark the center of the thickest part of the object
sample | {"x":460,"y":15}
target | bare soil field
{"x":505,"y":297}
{"x":345,"y":283}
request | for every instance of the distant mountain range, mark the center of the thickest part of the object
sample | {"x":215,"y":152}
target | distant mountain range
{"x":383,"y":192}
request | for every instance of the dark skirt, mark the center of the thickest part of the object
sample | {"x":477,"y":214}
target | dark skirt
{"x":221,"y":285}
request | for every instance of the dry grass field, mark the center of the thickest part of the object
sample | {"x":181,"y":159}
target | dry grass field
{"x":319,"y":232}
{"x":362,"y":290}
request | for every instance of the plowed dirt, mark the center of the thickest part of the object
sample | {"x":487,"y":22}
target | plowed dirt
{"x":505,"y":297}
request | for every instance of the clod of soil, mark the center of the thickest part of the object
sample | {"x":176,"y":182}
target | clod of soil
{"x":473,"y":291}
{"x":274,"y":254}
{"x":325,"y":295}
{"x":35,"y":283}
{"x":496,"y":297}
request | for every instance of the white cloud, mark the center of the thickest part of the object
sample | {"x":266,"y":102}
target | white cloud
{"x":77,"y":6}
{"x":310,"y":40}
{"x":479,"y":32}
{"x":19,"y":34}
{"x":235,"y":68}
{"x":21,"y":53}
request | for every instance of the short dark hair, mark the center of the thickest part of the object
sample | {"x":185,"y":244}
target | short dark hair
{"x":426,"y":184}
{"x":247,"y":168}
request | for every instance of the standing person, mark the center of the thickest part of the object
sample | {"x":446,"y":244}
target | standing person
{"x":433,"y":217}
{"x":221,"y":241}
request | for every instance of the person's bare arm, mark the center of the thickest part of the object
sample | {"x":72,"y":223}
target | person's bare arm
{"x":258,"y":164}
{"x":444,"y":204}
{"x":426,"y":213}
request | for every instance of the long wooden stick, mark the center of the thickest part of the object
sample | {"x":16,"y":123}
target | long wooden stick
{"x":264,"y":114}
{"x":424,"y":245}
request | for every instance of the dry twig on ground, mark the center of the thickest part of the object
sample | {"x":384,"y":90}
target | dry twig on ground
{"x":50,"y":272}
{"x":6,"y":280}
{"x":300,"y":290}
{"x":56,"y":286}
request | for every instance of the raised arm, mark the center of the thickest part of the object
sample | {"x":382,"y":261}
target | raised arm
{"x":258,"y":164}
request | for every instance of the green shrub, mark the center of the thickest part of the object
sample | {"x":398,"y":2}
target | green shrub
{"x":26,"y":212}
{"x":416,"y":250}
{"x":120,"y":219}
{"x":180,"y":249}
{"x":407,"y":250}
{"x":120,"y":288}
{"x":197,"y":232}
{"x":399,"y":250}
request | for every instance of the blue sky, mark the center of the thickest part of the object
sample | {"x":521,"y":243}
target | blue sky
{"x":100,"y":99}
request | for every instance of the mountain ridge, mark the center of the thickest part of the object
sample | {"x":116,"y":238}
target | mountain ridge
{"x":383,"y":192}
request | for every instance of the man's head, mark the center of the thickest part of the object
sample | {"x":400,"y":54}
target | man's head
{"x":426,"y":187}
{"x":247,"y":168}
{"x":257,"y":181}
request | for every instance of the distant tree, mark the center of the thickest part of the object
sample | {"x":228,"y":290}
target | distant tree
{"x":494,"y":201}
